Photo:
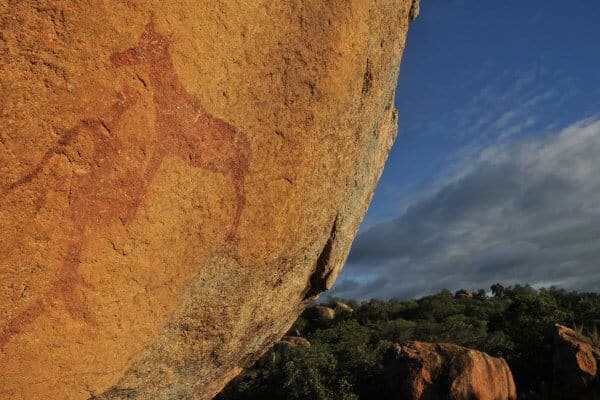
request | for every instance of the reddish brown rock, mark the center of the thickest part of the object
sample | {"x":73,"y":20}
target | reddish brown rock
{"x":575,"y":366}
{"x":428,"y":371}
{"x":177,"y":180}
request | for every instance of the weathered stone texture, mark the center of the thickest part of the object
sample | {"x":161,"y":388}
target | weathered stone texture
{"x":177,"y":179}
{"x":575,"y":366}
{"x":430,"y":371}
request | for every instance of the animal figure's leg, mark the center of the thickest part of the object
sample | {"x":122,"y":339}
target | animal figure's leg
{"x":23,"y":319}
{"x":68,"y":281}
{"x":63,"y":288}
{"x":238,"y":179}
{"x":17,"y":324}
{"x":64,"y":140}
{"x":154,"y":164}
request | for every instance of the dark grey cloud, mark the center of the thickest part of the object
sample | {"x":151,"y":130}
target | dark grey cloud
{"x":526,"y":211}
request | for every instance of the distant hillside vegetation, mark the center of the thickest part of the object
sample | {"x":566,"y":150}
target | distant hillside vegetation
{"x":340,"y":355}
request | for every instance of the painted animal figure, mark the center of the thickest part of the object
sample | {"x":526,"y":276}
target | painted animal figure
{"x":183,"y":127}
{"x":93,"y":199}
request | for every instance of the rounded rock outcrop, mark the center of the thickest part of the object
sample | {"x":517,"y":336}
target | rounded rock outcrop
{"x":320,"y":313}
{"x":575,"y":363}
{"x":429,"y":371}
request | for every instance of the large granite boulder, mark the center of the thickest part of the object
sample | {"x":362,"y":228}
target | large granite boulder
{"x":177,"y":180}
{"x":575,"y":366}
{"x":429,"y":371}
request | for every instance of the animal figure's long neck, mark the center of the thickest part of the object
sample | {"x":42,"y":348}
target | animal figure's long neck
{"x":170,"y":96}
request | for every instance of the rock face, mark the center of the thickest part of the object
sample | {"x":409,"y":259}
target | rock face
{"x":320,"y":312}
{"x":428,"y":371}
{"x":575,"y":366}
{"x":177,"y":180}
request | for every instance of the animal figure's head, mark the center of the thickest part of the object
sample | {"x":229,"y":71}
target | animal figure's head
{"x":152,"y":46}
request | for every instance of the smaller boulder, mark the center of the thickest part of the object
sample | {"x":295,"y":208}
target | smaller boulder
{"x":320,"y":312}
{"x":340,"y":307}
{"x":463,"y":294}
{"x":429,"y":371}
{"x":295,"y":341}
{"x":289,"y":342}
{"x":575,"y":366}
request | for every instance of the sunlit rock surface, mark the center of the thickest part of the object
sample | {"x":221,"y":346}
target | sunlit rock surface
{"x":429,"y":371}
{"x":177,"y":180}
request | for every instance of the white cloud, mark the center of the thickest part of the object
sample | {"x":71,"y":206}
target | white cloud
{"x":526,"y":210}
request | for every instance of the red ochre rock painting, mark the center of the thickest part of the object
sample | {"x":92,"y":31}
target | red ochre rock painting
{"x":183,"y":128}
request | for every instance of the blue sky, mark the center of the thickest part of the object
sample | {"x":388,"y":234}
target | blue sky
{"x":480,"y":82}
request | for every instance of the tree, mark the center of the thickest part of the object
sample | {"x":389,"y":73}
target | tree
{"x":497,"y":290}
{"x":480,"y":294}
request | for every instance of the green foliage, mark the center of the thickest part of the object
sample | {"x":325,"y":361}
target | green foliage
{"x":346,"y":359}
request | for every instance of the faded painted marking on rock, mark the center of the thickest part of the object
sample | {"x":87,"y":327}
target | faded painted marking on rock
{"x":183,"y":128}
